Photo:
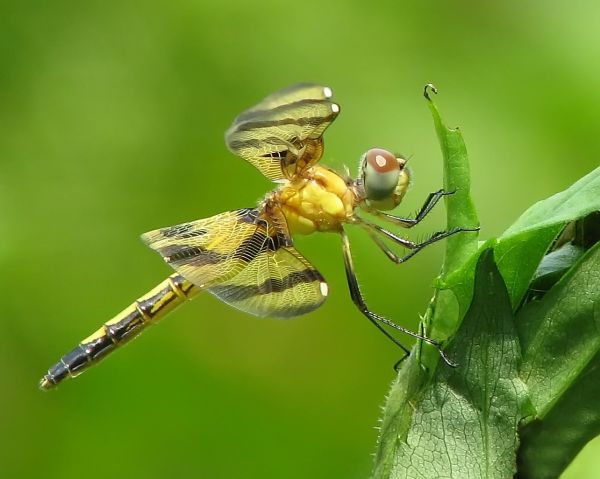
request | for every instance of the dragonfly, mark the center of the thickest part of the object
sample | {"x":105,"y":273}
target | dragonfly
{"x":246,"y":257}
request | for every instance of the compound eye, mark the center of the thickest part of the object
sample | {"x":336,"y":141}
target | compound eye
{"x":381,"y":172}
{"x":381,"y":161}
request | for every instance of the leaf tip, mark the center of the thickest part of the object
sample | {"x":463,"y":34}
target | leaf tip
{"x":429,"y":87}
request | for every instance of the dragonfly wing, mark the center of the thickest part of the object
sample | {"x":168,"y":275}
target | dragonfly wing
{"x":281,"y":135}
{"x":245,"y":258}
{"x":204,"y":251}
{"x":280,"y":283}
{"x":285,"y":96}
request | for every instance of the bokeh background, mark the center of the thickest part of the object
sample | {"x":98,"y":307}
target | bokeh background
{"x":112,"y":116}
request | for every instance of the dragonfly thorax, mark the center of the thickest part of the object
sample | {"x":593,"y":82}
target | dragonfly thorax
{"x":319,"y":200}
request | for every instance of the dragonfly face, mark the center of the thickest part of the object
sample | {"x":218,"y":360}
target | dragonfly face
{"x":246,"y":257}
{"x":384,"y":178}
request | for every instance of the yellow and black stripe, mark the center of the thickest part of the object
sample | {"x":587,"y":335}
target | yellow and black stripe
{"x":281,"y":135}
{"x":246,"y":258}
{"x":124,"y":326}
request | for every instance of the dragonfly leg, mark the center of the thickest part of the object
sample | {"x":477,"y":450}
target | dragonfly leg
{"x":373,"y":229}
{"x":377,"y":320}
{"x":430,"y":202}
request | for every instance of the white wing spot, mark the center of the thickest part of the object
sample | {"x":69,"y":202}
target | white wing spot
{"x":327,"y":92}
{"x":324,"y":288}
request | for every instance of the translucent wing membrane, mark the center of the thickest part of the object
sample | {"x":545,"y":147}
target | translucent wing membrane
{"x":279,"y":283}
{"x":246,"y":259}
{"x":281,"y":135}
{"x":209,"y":250}
{"x":285,"y":96}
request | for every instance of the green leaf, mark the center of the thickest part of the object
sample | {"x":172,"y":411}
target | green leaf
{"x":561,"y":367}
{"x":559,"y":334}
{"x":519,"y":256}
{"x":398,"y":413}
{"x":552,"y":268}
{"x":555,"y":263}
{"x":548,"y":446}
{"x":443,"y":314}
{"x":522,"y":246}
{"x":465,"y":421}
{"x":460,"y":284}
{"x":577,"y":201}
{"x":460,"y":210}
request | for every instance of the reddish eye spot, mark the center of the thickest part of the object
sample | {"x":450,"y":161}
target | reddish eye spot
{"x":382,"y":160}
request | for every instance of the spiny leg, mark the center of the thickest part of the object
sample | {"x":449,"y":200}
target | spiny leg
{"x":415,"y":247}
{"x":430,"y":202}
{"x":401,"y":360}
{"x":387,"y":250}
{"x":356,"y":295}
{"x":376,"y":319}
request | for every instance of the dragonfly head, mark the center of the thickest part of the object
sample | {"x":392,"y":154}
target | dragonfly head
{"x":384,"y":178}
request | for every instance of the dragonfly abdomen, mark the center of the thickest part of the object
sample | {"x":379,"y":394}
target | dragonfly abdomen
{"x":124,"y":326}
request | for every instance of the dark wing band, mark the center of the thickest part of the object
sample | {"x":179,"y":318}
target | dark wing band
{"x":281,"y":135}
{"x":246,"y":259}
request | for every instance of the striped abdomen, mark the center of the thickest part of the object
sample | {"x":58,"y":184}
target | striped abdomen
{"x":124,"y":326}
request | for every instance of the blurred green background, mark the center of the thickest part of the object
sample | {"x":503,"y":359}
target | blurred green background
{"x":111,"y":123}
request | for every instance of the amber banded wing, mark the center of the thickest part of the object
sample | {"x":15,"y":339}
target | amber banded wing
{"x":281,"y":135}
{"x":245,"y":258}
{"x":285,"y":96}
